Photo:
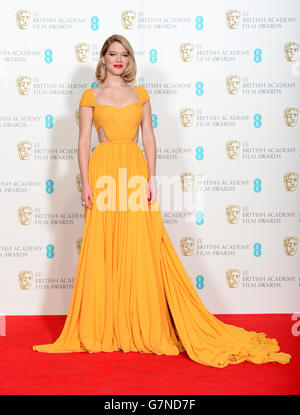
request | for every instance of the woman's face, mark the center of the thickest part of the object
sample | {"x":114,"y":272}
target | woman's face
{"x":116,"y":58}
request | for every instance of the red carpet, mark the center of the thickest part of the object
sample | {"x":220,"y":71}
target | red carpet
{"x":25,"y":372}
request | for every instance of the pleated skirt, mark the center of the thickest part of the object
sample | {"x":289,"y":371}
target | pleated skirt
{"x":131,"y":291}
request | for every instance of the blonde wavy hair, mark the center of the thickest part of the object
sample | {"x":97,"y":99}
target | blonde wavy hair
{"x":130,"y":72}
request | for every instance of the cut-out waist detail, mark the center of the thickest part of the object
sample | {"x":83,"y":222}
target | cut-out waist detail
{"x":118,"y":142}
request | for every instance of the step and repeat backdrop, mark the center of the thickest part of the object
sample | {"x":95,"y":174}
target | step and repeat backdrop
{"x":223,"y":77}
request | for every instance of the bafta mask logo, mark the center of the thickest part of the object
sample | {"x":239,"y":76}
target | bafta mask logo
{"x":233,"y":149}
{"x":23,"y":84}
{"x":233,"y":213}
{"x":25,"y":279}
{"x":233,"y":19}
{"x":291,"y":116}
{"x":78,"y":245}
{"x":128,"y":19}
{"x":77,"y":116}
{"x":290,"y":244}
{"x":82,"y":52}
{"x":186,"y":116}
{"x":290,"y":181}
{"x":25,"y":215}
{"x":23,"y":19}
{"x":233,"y":84}
{"x":187,"y":182}
{"x":187,"y":246}
{"x":291,"y":51}
{"x":79,"y":183}
{"x":24,"y":150}
{"x":186,"y":51}
{"x":233,"y":277}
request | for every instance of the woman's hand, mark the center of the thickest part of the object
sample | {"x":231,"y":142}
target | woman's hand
{"x":87,"y":195}
{"x":151,"y":190}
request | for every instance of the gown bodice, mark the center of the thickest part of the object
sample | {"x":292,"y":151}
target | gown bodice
{"x":119,"y":124}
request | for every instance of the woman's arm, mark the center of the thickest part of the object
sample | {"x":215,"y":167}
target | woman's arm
{"x":149,"y":144}
{"x":84,"y":141}
{"x":148,"y":138}
{"x":84,"y":149}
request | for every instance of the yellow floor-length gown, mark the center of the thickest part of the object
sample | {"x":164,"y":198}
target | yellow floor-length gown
{"x":131,"y":291}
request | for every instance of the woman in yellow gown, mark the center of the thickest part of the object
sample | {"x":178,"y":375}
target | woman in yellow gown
{"x":131,"y":291}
